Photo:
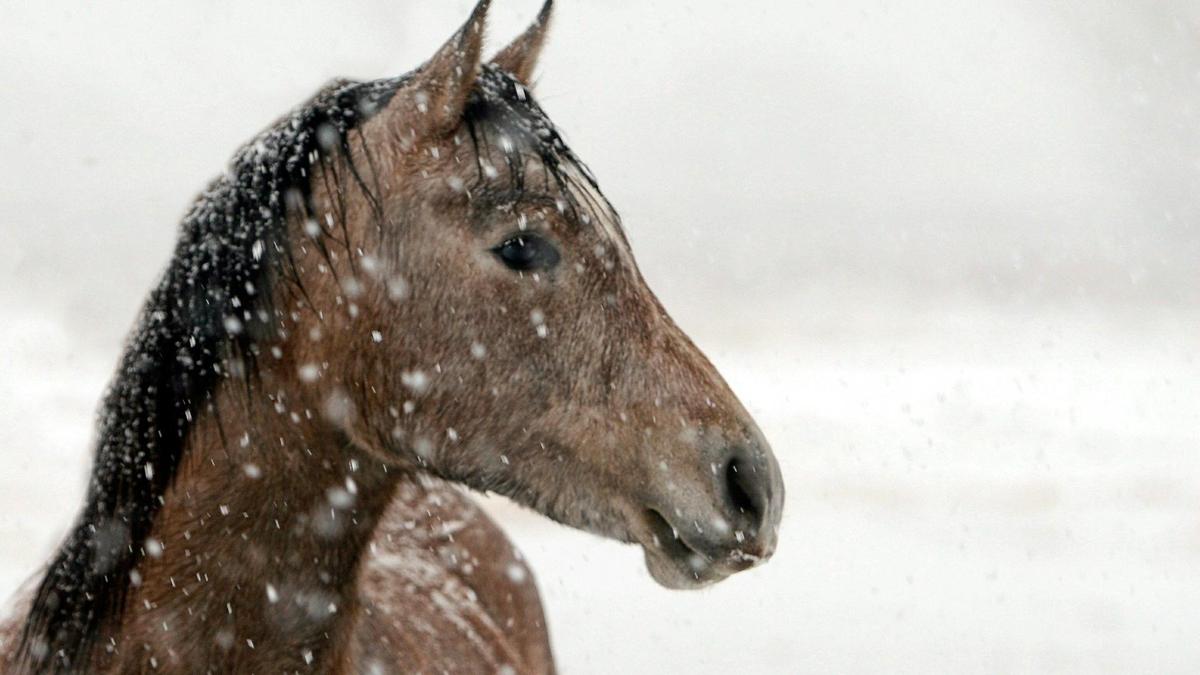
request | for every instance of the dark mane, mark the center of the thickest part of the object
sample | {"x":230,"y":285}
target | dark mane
{"x":204,"y":320}
{"x":199,"y":324}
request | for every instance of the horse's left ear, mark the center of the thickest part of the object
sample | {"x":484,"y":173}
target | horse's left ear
{"x":520,"y":57}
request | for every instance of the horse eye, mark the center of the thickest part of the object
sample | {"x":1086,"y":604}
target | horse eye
{"x":525,"y":252}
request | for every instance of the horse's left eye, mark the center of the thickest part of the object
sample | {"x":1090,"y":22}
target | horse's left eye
{"x":527,"y":252}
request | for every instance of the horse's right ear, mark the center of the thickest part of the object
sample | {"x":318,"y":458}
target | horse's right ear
{"x":433,"y":101}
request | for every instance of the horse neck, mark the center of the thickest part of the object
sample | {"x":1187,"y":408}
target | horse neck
{"x":255,"y":549}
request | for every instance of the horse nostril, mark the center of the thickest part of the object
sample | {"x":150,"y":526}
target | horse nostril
{"x":746,"y":491}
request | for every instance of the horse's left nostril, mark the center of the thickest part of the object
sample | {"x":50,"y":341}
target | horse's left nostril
{"x":746,"y":491}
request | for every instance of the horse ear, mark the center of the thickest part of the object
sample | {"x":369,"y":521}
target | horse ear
{"x":520,"y":57}
{"x":440,"y":88}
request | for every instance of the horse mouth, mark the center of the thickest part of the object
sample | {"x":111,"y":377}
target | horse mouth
{"x":676,"y":564}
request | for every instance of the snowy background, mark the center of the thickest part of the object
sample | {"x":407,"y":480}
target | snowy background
{"x":948,"y":255}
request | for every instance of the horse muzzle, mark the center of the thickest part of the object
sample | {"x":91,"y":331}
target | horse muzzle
{"x":698,"y":534}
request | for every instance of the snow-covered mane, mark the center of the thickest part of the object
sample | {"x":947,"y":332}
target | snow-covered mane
{"x":201,"y":323}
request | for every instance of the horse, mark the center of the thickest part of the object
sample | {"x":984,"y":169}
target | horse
{"x":401,"y":288}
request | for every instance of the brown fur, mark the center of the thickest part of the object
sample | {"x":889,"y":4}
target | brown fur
{"x":305,"y":531}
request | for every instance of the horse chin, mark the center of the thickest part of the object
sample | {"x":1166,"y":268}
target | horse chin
{"x":675,"y":564}
{"x":685,"y":574}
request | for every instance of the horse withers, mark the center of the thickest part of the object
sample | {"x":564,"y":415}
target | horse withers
{"x":401,"y":285}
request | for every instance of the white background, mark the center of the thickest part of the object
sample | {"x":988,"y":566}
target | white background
{"x":947,"y":254}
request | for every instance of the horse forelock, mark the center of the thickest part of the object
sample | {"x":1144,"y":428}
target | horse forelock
{"x":502,"y":117}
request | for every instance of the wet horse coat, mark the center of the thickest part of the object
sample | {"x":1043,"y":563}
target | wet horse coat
{"x":401,"y":282}
{"x":440,"y":590}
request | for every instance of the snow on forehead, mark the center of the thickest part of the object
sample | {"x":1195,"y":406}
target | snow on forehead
{"x":501,"y":96}
{"x":506,"y":106}
{"x":504,"y":118}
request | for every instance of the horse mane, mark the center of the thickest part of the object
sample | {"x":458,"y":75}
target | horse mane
{"x":200,"y":323}
{"x":204,"y":320}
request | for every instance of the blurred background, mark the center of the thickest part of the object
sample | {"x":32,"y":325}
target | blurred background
{"x":947,"y":253}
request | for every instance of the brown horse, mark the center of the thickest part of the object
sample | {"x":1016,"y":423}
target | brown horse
{"x":400,"y":285}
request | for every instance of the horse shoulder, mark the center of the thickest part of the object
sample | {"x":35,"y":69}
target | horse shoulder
{"x":442,"y":589}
